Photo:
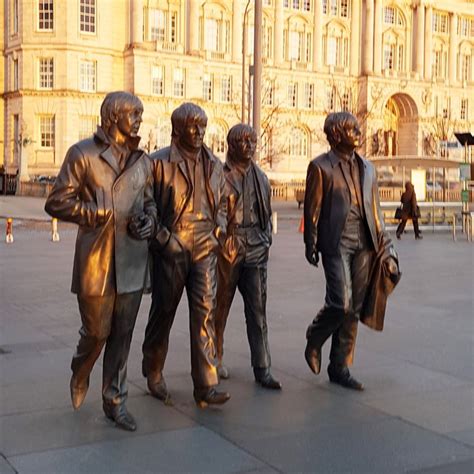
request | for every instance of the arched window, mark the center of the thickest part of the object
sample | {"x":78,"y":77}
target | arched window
{"x":394,"y":40}
{"x":439,"y":59}
{"x":216,"y":139}
{"x":465,"y":62}
{"x":299,"y":143}
{"x":297,"y":40}
{"x":214,"y":29}
{"x":336,"y":45}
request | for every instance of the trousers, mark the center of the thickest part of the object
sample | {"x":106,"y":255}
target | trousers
{"x":347,"y":277}
{"x":248,"y":273}
{"x":194,"y":268}
{"x":106,"y":320}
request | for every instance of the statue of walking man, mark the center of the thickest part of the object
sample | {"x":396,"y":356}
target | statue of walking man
{"x":105,"y":185}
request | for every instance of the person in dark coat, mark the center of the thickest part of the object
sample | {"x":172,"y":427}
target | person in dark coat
{"x":105,"y":185}
{"x":191,"y":202}
{"x":343,"y":222}
{"x":242,"y":262}
{"x":409,"y":211}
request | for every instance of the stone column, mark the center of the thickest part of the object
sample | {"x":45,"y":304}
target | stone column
{"x":355,"y":38}
{"x":428,"y":41}
{"x":237,"y":28}
{"x":193,"y":17}
{"x":279,"y":32}
{"x":453,"y":43}
{"x":378,"y":37}
{"x":420,"y":39}
{"x":318,"y":36}
{"x":367,"y":66}
{"x":137,"y":21}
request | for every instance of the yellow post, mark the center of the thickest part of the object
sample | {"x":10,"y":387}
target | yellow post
{"x":54,"y":230}
{"x":9,"y":231}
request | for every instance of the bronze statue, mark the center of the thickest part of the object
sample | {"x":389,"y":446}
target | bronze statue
{"x":343,"y":222}
{"x":105,"y":185}
{"x":242,"y":262}
{"x":190,"y":197}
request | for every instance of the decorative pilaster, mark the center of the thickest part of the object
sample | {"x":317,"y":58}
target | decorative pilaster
{"x":237,"y":28}
{"x":193,"y":9}
{"x":453,"y":41}
{"x":279,"y":32}
{"x":137,"y":21}
{"x":318,"y":36}
{"x":355,"y":38}
{"x":428,"y":41}
{"x":419,"y":39}
{"x":367,"y":66}
{"x":378,"y":37}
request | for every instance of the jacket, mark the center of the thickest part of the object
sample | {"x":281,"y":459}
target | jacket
{"x":173,"y":190}
{"x":381,"y":285}
{"x":91,"y":191}
{"x":327,"y":203}
{"x":235,"y":207}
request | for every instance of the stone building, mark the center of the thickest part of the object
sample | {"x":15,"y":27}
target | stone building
{"x":404,"y":67}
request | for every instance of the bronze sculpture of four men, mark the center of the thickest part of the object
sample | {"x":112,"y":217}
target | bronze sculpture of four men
{"x":207,"y":230}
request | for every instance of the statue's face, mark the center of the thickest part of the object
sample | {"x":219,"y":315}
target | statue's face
{"x":129,"y":121}
{"x":245,"y":148}
{"x":192,"y":136}
{"x":351,"y":136}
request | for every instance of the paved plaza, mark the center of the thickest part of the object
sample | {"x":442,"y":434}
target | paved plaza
{"x":416,"y":414}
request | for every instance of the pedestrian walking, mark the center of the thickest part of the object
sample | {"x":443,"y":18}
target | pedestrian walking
{"x":410,"y":210}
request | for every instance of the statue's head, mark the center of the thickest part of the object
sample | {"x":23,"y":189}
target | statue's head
{"x":342,"y":131}
{"x":242,"y":143}
{"x":121,"y":115}
{"x":189,"y":124}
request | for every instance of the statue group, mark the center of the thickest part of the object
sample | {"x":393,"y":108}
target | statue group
{"x":206,"y":228}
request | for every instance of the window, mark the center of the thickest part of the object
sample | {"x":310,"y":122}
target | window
{"x":292,"y":94}
{"x":267,"y":40}
{"x":389,"y":15}
{"x":87,"y":75}
{"x":46,"y":73}
{"x":163,"y":133}
{"x":296,"y":45}
{"x":157,"y":80}
{"x":16,"y":79}
{"x":389,"y":54}
{"x":211,"y":38}
{"x":207,"y":87}
{"x":87,"y":125}
{"x":331,"y":99}
{"x":440,"y":22}
{"x":45,"y":15}
{"x":337,"y":51}
{"x":308,"y":95}
{"x":46,"y":127}
{"x":340,"y":8}
{"x":298,"y":143}
{"x":14,"y":24}
{"x":173,"y":26}
{"x":464,"y":109}
{"x":226,"y":88}
{"x":303,"y":5}
{"x":346,"y":101}
{"x":465,"y":67}
{"x":466,"y":27}
{"x":269,"y":94}
{"x":87,"y":16}
{"x":157,"y":25}
{"x":217,"y":139}
{"x":439,"y":64}
{"x":178,"y":83}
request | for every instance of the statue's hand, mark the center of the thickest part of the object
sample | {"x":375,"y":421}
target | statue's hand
{"x":312,"y":255}
{"x":392,"y":266}
{"x":141,"y":227}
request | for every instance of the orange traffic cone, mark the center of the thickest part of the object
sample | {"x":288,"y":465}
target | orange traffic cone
{"x":301,"y":227}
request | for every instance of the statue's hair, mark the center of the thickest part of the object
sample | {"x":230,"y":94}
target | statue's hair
{"x":235,"y":135}
{"x":113,"y":103}
{"x":183,"y":114}
{"x":335,"y":124}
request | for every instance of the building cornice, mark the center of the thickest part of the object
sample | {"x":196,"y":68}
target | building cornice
{"x":54,"y":93}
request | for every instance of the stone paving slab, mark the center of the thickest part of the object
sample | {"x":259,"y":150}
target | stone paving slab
{"x":185,"y":450}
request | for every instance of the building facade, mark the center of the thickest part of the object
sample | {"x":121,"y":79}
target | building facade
{"x":404,"y":67}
